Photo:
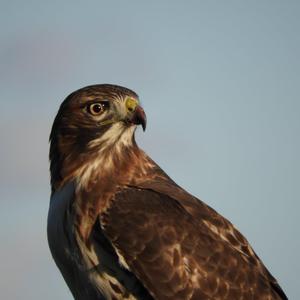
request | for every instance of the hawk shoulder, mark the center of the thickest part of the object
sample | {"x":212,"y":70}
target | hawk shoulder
{"x":165,"y":238}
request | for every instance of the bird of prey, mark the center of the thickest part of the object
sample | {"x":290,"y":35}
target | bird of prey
{"x":120,"y":228}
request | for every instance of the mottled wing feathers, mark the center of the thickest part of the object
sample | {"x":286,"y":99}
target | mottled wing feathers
{"x":174,"y":254}
{"x":214,"y":221}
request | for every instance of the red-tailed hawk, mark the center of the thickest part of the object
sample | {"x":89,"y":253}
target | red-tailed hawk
{"x":120,"y":228}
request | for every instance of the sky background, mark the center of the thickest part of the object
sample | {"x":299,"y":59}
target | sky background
{"x":220,"y":83}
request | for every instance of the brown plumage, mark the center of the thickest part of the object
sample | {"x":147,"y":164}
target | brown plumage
{"x":120,"y":228}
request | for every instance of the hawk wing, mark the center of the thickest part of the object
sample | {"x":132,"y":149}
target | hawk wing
{"x":179,"y":248}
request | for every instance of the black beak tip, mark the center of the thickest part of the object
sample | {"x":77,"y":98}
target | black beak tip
{"x":144,"y":123}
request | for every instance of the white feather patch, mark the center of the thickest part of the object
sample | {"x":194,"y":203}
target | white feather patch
{"x":116,"y":137}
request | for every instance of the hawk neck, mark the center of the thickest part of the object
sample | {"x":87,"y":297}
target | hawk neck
{"x":98,"y":180}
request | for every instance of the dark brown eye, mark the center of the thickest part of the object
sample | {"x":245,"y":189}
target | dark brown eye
{"x":97,"y":108}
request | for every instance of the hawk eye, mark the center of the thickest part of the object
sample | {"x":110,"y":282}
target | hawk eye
{"x":97,"y":108}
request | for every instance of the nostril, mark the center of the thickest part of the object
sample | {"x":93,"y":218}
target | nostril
{"x":131,"y":104}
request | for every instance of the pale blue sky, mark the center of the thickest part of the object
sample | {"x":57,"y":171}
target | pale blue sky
{"x":219,"y":81}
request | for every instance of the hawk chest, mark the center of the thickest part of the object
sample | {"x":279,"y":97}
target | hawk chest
{"x":91,"y":270}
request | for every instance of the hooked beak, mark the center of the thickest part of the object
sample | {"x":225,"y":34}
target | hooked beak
{"x":139,"y":117}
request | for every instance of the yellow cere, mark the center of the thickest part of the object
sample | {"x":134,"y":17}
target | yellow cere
{"x":131,"y":104}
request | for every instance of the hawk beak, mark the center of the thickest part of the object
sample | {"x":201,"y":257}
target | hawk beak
{"x":139,"y":117}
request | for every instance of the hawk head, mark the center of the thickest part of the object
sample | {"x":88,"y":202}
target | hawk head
{"x":91,"y":120}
